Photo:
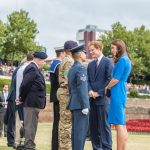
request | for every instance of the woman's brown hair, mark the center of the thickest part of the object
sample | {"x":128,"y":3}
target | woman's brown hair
{"x":121,"y":47}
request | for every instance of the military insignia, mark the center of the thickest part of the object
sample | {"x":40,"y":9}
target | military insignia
{"x":83,"y":78}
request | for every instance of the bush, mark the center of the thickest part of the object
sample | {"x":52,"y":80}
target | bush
{"x":134,"y":93}
{"x":8,"y":81}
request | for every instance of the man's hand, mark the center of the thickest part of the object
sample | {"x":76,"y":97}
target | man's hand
{"x":95,"y":95}
{"x":85,"y":111}
{"x":18,"y":101}
{"x":91,"y":93}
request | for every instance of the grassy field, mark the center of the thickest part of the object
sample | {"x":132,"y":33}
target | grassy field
{"x":43,"y":138}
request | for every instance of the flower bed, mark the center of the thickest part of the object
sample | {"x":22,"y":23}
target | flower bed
{"x":139,"y":125}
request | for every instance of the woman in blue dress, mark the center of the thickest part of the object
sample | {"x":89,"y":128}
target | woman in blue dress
{"x":122,"y":69}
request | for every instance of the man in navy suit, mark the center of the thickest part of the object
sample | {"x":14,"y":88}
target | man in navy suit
{"x":79,"y":100}
{"x":99,"y":74}
{"x":3,"y":107}
{"x":9,"y":118}
{"x":33,"y":95}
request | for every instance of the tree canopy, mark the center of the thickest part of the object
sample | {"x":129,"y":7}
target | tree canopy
{"x":19,"y":36}
{"x":138,"y":42}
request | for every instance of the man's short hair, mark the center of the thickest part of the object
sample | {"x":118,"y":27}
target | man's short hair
{"x":5,"y":84}
{"x":96,"y":44}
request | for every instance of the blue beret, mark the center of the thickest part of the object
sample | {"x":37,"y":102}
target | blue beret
{"x":80,"y":48}
{"x":70,"y":44}
{"x":40,"y":55}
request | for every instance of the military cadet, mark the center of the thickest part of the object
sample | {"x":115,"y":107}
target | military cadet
{"x":79,"y":100}
{"x":54,"y":69}
{"x":63,"y":97}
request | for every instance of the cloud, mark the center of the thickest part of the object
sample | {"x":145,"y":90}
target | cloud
{"x":59,"y":20}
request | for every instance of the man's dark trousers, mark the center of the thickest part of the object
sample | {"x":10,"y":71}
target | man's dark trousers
{"x":100,"y":129}
{"x":9,"y":120}
{"x":55,"y":126}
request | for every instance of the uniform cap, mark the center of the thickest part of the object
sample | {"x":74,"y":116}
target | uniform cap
{"x":70,"y":44}
{"x":80,"y":48}
{"x":59,"y":49}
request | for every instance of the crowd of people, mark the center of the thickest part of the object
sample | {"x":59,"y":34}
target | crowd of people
{"x":143,"y":89}
{"x":84,"y":99}
{"x":6,"y":70}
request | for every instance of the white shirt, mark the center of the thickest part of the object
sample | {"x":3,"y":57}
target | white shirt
{"x":19,"y":78}
{"x":5,"y":98}
{"x":99,"y":59}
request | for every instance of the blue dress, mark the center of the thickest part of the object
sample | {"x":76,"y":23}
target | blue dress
{"x":118,"y":98}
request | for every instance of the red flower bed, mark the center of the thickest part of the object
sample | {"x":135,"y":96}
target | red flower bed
{"x":141,"y":125}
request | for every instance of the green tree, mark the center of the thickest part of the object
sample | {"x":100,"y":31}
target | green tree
{"x":2,"y":34}
{"x":138,"y":42}
{"x":20,"y":37}
{"x":143,"y":46}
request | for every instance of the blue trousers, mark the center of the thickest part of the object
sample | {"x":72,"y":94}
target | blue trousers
{"x":79,"y":129}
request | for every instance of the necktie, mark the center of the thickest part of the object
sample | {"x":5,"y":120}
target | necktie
{"x":96,"y":65}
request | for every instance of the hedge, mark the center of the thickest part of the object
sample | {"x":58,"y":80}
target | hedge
{"x":8,"y":81}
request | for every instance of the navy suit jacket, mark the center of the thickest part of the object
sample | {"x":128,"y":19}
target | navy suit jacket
{"x":2,"y":99}
{"x":12,"y":92}
{"x":33,"y":88}
{"x":11,"y":108}
{"x":78,"y":87}
{"x":99,"y":78}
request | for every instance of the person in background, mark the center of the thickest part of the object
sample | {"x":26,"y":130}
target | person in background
{"x":54,"y":69}
{"x":19,"y":108}
{"x":9,"y":118}
{"x":79,"y":100}
{"x":33,"y":95}
{"x":99,"y":74}
{"x":63,"y":97}
{"x":3,"y":107}
{"x":117,"y":85}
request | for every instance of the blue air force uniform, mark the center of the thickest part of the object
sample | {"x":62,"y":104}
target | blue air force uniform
{"x":79,"y":100}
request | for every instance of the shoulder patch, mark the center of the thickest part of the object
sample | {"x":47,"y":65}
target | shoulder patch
{"x":83,"y":77}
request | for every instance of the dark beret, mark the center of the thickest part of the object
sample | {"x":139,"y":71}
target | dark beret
{"x":70,"y":44}
{"x":59,"y":49}
{"x":80,"y":48}
{"x":40,"y":55}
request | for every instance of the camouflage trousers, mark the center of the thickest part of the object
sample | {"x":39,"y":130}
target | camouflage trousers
{"x":64,"y":122}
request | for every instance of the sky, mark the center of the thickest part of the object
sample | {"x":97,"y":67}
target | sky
{"x":59,"y":20}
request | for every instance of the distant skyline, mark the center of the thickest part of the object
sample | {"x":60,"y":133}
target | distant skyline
{"x":59,"y":20}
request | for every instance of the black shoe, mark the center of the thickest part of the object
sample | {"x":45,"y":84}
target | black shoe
{"x":10,"y":145}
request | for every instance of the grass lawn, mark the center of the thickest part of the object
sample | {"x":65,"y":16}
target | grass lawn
{"x":135,"y":141}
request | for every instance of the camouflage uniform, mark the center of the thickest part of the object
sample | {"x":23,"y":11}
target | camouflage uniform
{"x":63,"y":97}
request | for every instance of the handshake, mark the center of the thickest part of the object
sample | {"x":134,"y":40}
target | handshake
{"x":85,"y":111}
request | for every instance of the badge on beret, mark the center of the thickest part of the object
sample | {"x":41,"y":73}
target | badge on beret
{"x":83,"y":78}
